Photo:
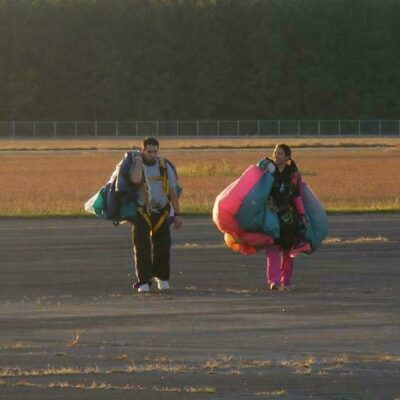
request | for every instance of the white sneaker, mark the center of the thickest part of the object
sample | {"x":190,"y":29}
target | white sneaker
{"x":162,"y":285}
{"x":144,"y":288}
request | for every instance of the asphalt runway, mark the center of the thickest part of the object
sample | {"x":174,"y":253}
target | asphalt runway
{"x":71,"y":327}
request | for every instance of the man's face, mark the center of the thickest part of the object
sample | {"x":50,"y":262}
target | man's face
{"x":150,"y":153}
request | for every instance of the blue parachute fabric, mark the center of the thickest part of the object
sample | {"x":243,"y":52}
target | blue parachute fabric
{"x":254,"y":213}
{"x":123,"y":182}
{"x":271,"y":223}
{"x":317,"y":229}
{"x":110,"y":200}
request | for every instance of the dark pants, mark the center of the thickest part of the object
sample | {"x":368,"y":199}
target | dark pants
{"x":289,"y":227}
{"x":151,"y":251}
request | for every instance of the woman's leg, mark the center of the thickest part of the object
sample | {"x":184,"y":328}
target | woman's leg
{"x":273,"y":265}
{"x":286,"y":269}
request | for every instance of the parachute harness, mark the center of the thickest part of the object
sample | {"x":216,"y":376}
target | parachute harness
{"x":147,"y":210}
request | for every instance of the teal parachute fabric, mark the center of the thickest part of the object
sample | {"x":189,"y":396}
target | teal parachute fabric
{"x":254,"y":213}
{"x":317,"y":229}
{"x":105,"y":204}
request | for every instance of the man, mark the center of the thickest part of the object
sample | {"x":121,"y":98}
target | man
{"x":157,"y":186}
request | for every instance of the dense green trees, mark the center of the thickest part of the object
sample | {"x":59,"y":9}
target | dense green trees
{"x":199,"y":59}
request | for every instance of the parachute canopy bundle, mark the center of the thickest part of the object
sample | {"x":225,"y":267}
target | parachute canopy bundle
{"x":242,"y":211}
{"x":116,"y":200}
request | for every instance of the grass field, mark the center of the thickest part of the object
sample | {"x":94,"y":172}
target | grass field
{"x":195,"y":143}
{"x":347,"y":175}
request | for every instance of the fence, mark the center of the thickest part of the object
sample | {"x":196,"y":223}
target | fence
{"x":86,"y":129}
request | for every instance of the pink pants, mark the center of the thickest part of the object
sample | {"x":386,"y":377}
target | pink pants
{"x":279,"y":266}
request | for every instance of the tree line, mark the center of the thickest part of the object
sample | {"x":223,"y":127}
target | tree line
{"x":199,"y":59}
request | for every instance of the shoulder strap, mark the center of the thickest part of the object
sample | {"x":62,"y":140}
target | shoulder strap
{"x":164,"y":176}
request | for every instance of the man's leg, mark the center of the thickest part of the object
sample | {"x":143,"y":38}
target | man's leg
{"x":161,"y":252}
{"x":142,"y":250}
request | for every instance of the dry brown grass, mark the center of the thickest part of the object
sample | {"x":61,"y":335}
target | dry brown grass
{"x":58,"y":183}
{"x":186,"y":389}
{"x":17,"y":346}
{"x":69,"y":385}
{"x":273,"y":393}
{"x":343,"y":180}
{"x":193,"y":143}
{"x":358,"y":240}
{"x":75,"y":339}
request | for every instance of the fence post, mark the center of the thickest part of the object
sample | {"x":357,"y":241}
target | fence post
{"x":382,"y":130}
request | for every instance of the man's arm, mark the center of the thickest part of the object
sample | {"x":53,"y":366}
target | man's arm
{"x":136,"y":176}
{"x":177,"y":209}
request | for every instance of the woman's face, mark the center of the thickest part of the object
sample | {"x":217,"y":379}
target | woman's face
{"x":280,"y":156}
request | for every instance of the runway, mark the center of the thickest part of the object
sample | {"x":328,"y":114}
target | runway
{"x":68,"y":314}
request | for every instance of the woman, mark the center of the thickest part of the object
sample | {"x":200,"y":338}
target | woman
{"x":285,"y":199}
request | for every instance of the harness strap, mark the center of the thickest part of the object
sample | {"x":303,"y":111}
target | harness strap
{"x":161,"y":220}
{"x":146,"y":194}
{"x":163,"y":177}
{"x":159,"y":223}
{"x":146,"y":216}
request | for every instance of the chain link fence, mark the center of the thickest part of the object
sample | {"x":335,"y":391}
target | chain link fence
{"x":200,"y":128}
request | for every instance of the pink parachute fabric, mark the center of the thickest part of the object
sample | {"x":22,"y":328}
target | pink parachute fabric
{"x":226,"y":207}
{"x":242,"y":213}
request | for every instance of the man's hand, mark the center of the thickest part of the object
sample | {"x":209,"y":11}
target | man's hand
{"x":138,"y":157}
{"x":136,"y":176}
{"x":177,"y":222}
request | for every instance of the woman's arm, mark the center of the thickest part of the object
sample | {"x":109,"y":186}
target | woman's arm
{"x":298,"y":201}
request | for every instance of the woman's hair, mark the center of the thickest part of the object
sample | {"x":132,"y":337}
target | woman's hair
{"x":287,"y":150}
